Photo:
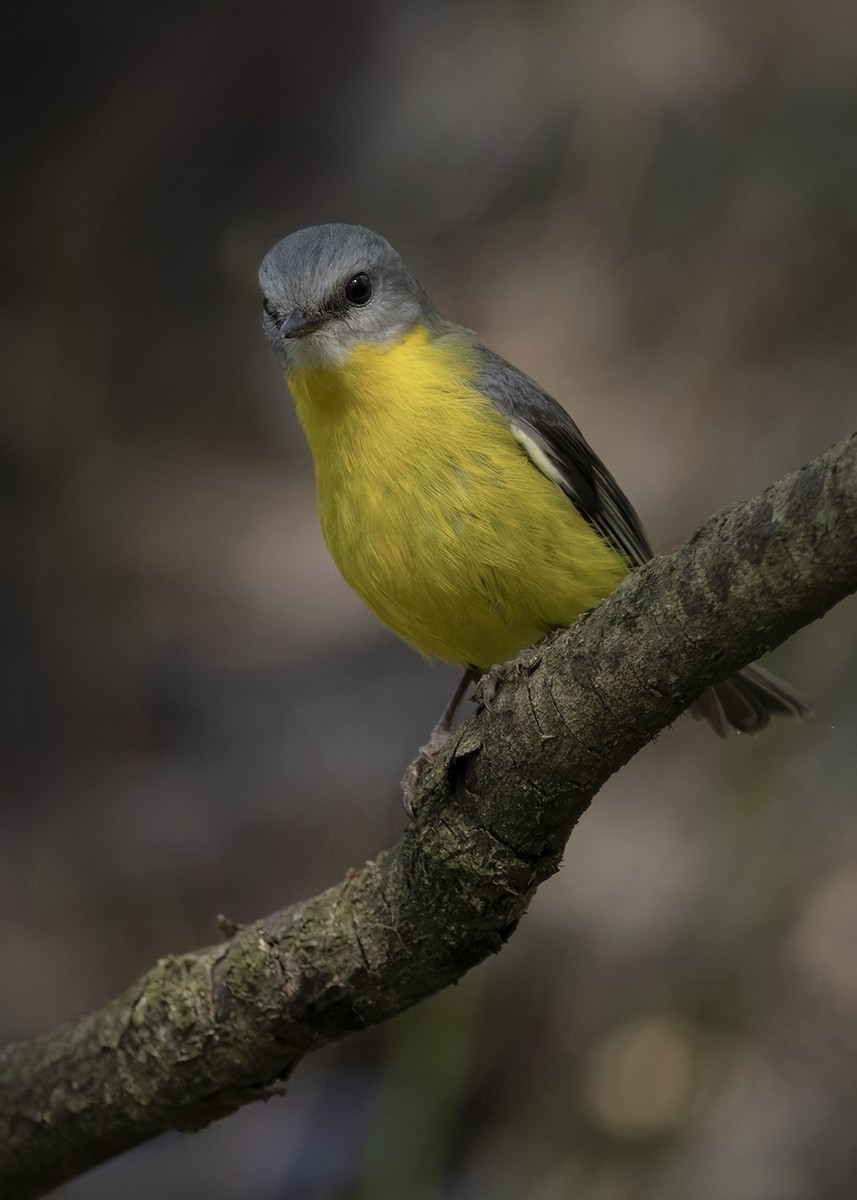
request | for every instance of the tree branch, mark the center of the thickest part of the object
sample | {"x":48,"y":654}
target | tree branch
{"x":203,"y":1033}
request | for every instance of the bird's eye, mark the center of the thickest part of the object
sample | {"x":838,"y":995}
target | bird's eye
{"x":273,"y":312}
{"x":358,"y":290}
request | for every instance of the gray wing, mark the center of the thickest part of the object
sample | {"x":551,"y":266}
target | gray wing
{"x":558,"y":449}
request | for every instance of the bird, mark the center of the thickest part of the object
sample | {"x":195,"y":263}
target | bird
{"x":459,"y":500}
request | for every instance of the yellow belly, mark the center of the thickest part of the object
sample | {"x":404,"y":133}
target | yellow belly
{"x":433,"y":512}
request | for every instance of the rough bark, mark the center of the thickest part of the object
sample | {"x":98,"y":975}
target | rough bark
{"x":203,"y":1033}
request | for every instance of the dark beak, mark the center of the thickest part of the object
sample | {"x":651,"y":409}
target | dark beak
{"x":298,"y":324}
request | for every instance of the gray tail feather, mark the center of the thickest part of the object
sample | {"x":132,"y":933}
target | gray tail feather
{"x":747,"y":701}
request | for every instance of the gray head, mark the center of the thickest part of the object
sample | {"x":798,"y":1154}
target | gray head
{"x":330,"y":287}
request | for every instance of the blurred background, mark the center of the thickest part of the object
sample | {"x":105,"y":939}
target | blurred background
{"x":651,"y":206}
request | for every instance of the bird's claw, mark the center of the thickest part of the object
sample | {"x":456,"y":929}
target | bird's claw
{"x":487,"y":687}
{"x":439,"y":737}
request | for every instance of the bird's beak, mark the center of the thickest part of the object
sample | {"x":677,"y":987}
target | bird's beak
{"x":298,"y":324}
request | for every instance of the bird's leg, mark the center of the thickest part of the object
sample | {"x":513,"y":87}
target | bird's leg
{"x":438,"y":739}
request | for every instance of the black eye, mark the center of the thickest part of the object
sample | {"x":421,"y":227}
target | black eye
{"x":358,"y":290}
{"x":273,"y":313}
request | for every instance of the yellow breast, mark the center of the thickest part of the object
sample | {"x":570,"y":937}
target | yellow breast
{"x":434,"y":513}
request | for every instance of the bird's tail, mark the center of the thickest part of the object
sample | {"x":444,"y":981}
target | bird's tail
{"x":747,"y":701}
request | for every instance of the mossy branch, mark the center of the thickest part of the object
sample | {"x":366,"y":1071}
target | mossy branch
{"x":203,"y":1033}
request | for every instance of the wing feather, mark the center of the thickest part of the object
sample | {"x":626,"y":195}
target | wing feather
{"x":559,"y":450}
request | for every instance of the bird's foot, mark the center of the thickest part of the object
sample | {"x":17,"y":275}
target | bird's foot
{"x":439,"y":737}
{"x":487,"y":687}
{"x":489,"y":684}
